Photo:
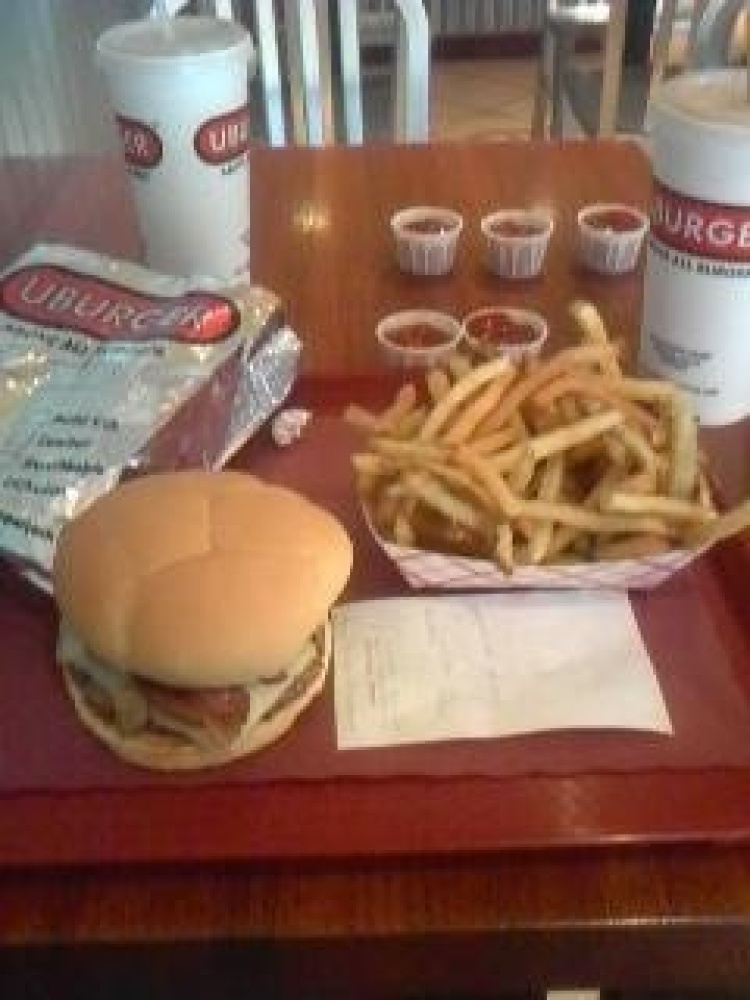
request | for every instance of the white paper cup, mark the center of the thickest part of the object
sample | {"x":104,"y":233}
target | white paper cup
{"x":517,"y":241}
{"x":504,"y":331}
{"x":696,"y":303}
{"x":179,"y":90}
{"x":417,"y":338}
{"x":609,"y":246}
{"x":426,"y":239}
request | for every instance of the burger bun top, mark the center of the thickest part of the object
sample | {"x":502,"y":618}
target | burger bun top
{"x":199,"y":579}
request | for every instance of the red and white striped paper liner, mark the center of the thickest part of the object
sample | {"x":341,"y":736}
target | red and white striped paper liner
{"x":439,"y":571}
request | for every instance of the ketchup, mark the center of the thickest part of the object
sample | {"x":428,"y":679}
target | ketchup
{"x":616,"y":220}
{"x":515,"y":227}
{"x":417,"y":336}
{"x":428,"y":226}
{"x":500,"y":329}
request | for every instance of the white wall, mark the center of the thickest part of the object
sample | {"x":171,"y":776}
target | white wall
{"x":52,"y":99}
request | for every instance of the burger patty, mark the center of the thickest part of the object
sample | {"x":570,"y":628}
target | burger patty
{"x":208,"y":716}
{"x":302,"y":682}
{"x":222,"y":708}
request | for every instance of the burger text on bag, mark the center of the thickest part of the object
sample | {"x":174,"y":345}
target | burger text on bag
{"x":721,"y":232}
{"x":224,"y":137}
{"x":141,"y":146}
{"x":109,"y":370}
{"x":66,"y":299}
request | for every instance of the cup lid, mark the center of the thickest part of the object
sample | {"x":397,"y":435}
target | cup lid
{"x":153,"y":41}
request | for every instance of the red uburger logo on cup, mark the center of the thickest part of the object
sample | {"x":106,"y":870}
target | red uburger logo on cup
{"x":224,"y":137}
{"x":141,"y":146}
{"x":701,"y":228}
{"x":61,"y":298}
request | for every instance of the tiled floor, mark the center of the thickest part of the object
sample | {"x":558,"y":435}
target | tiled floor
{"x":492,"y":97}
{"x":482,"y":98}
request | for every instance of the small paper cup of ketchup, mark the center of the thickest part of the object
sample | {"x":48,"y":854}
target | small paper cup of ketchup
{"x":415,"y":338}
{"x":516,"y":241}
{"x":503,"y":331}
{"x":610,"y":237}
{"x":426,"y":239}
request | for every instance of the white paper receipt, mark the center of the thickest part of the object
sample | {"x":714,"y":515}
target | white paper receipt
{"x":421,"y":669}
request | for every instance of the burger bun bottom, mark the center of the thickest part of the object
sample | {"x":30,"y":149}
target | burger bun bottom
{"x":165,"y":752}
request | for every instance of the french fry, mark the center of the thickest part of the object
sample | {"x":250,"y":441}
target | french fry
{"x":704,"y":491}
{"x":504,"y":547}
{"x":485,"y":401}
{"x":617,"y":452}
{"x":723,"y":526}
{"x":403,"y":530}
{"x":458,"y":394}
{"x":683,"y":467}
{"x":534,"y":379}
{"x":610,"y":479}
{"x":496,"y":441}
{"x":563,"y":538}
{"x":408,"y":425}
{"x":362,"y":419}
{"x":438,"y":383}
{"x":414,"y":451}
{"x":459,"y":366}
{"x":631,"y":547}
{"x":504,"y":501}
{"x":639,"y":482}
{"x":620,"y":502}
{"x":368,"y":464}
{"x":633,"y":442}
{"x":384,"y":510}
{"x":504,"y":461}
{"x":436,"y":496}
{"x":596,"y":523}
{"x":522,"y":473}
{"x":550,"y":484}
{"x":461,"y":480}
{"x":375,"y":423}
{"x":568,"y":407}
{"x":546,"y":462}
{"x":594,"y":331}
{"x":405,"y":401}
{"x":647,"y":390}
{"x":570,"y":435}
{"x":605,"y":391}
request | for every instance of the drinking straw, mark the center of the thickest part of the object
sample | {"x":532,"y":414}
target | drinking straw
{"x":161,"y":11}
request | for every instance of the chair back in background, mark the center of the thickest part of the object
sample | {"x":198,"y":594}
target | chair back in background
{"x":563,"y":22}
{"x":53,"y":100}
{"x":311,"y":70}
{"x":719,"y":34}
{"x":614,"y":96}
{"x":411,"y":73}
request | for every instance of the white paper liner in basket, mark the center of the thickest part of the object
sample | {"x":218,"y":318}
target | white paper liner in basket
{"x":437,"y":570}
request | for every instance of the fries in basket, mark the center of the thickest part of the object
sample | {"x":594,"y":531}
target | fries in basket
{"x":555,"y":462}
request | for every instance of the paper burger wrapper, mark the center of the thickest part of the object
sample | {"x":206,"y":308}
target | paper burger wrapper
{"x":437,"y":570}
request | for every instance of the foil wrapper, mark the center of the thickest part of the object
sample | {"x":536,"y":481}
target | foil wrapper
{"x":289,"y":426}
{"x":109,"y":370}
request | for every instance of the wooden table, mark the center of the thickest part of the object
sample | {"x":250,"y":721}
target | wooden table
{"x":667,"y":911}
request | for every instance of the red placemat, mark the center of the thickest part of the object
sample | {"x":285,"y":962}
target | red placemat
{"x":697,"y":644}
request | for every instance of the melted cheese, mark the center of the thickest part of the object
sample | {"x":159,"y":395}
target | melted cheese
{"x":128,"y":703}
{"x":131,"y":708}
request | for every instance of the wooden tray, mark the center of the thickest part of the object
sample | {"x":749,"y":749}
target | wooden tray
{"x":60,"y":803}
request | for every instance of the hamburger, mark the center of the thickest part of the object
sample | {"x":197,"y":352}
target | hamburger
{"x":194,"y":614}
